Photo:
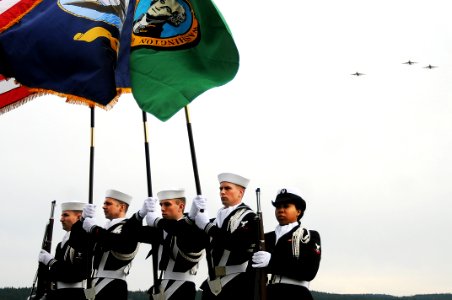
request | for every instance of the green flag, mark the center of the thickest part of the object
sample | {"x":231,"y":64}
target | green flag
{"x":180,"y":49}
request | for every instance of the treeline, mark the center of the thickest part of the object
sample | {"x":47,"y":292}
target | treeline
{"x":23,"y":293}
{"x":328,"y":296}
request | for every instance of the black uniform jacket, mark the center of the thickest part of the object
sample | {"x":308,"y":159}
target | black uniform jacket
{"x":72,"y":260}
{"x":240,"y":241}
{"x":183,"y":234}
{"x":284,"y":262}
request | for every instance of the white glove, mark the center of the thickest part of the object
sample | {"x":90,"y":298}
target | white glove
{"x":199,"y":203}
{"x":148,"y":205}
{"x":261,"y":259}
{"x":89,"y":211}
{"x":154,"y":204}
{"x":152,"y":217}
{"x":88,"y":224}
{"x":202,"y":219}
{"x":45,"y":257}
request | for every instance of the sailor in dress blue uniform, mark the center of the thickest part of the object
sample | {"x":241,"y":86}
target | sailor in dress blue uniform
{"x":293,"y":253}
{"x":233,"y":236}
{"x":115,"y":246}
{"x":68,"y":270}
{"x":181,"y":245}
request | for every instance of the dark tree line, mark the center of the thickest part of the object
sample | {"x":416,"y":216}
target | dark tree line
{"x":23,"y":293}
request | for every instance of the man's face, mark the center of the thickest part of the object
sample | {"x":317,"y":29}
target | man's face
{"x":230,"y":193}
{"x":286,"y":213}
{"x":172,"y":209}
{"x":68,"y":218}
{"x":113,"y":208}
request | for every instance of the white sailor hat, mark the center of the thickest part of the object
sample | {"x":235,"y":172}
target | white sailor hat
{"x":72,"y":206}
{"x":233,"y":178}
{"x":290,"y":195}
{"x":118,"y":196}
{"x":171,"y":194}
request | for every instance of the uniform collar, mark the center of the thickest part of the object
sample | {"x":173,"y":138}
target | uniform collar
{"x":282,"y":230}
{"x":224,"y":212}
{"x":65,"y":238}
{"x":111,"y":223}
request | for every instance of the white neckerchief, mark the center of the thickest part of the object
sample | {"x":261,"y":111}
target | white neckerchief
{"x":113,"y":222}
{"x":65,"y":238}
{"x":223,"y":213}
{"x":282,"y":230}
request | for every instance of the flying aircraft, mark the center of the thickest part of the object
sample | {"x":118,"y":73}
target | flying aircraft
{"x":358,"y":74}
{"x":430,"y":67}
{"x":410,"y":62}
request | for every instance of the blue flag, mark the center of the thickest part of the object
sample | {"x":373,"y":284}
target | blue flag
{"x":68,"y":48}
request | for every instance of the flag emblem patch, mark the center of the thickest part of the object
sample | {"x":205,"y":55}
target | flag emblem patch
{"x":165,"y":24}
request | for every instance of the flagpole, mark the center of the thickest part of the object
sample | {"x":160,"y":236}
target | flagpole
{"x":192,"y":150}
{"x":155,"y":245}
{"x":91,"y":159}
{"x":89,"y":292}
{"x":210,"y":267}
{"x":146,"y":151}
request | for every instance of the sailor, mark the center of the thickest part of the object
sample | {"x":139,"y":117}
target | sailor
{"x":115,"y":245}
{"x":233,"y":236}
{"x":181,"y":246}
{"x":292,"y":255}
{"x":68,"y":270}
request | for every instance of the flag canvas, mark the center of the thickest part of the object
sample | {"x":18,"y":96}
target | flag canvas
{"x":12,"y":94}
{"x":180,"y":49}
{"x":68,"y":48}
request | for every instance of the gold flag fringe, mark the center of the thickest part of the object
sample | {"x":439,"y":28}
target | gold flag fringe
{"x":20,"y":102}
{"x":74,"y":99}
{"x":19,"y":17}
{"x":69,"y":99}
{"x":83,"y":101}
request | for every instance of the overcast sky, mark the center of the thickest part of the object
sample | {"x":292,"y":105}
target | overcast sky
{"x":370,"y":154}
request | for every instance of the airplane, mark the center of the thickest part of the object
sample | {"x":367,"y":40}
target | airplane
{"x":410,"y":62}
{"x":357,"y":74}
{"x":430,"y":67}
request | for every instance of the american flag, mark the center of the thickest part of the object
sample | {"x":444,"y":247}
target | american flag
{"x":12,"y":10}
{"x":12,"y":94}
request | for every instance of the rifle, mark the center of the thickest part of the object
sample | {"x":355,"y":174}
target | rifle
{"x":260,"y":285}
{"x":41,"y":282}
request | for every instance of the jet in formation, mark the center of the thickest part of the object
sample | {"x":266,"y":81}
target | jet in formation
{"x":358,"y":74}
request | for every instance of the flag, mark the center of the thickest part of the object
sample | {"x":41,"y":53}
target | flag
{"x":12,"y":10}
{"x":122,"y":70}
{"x":179,"y":49}
{"x":68,"y":48}
{"x":12,"y":94}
